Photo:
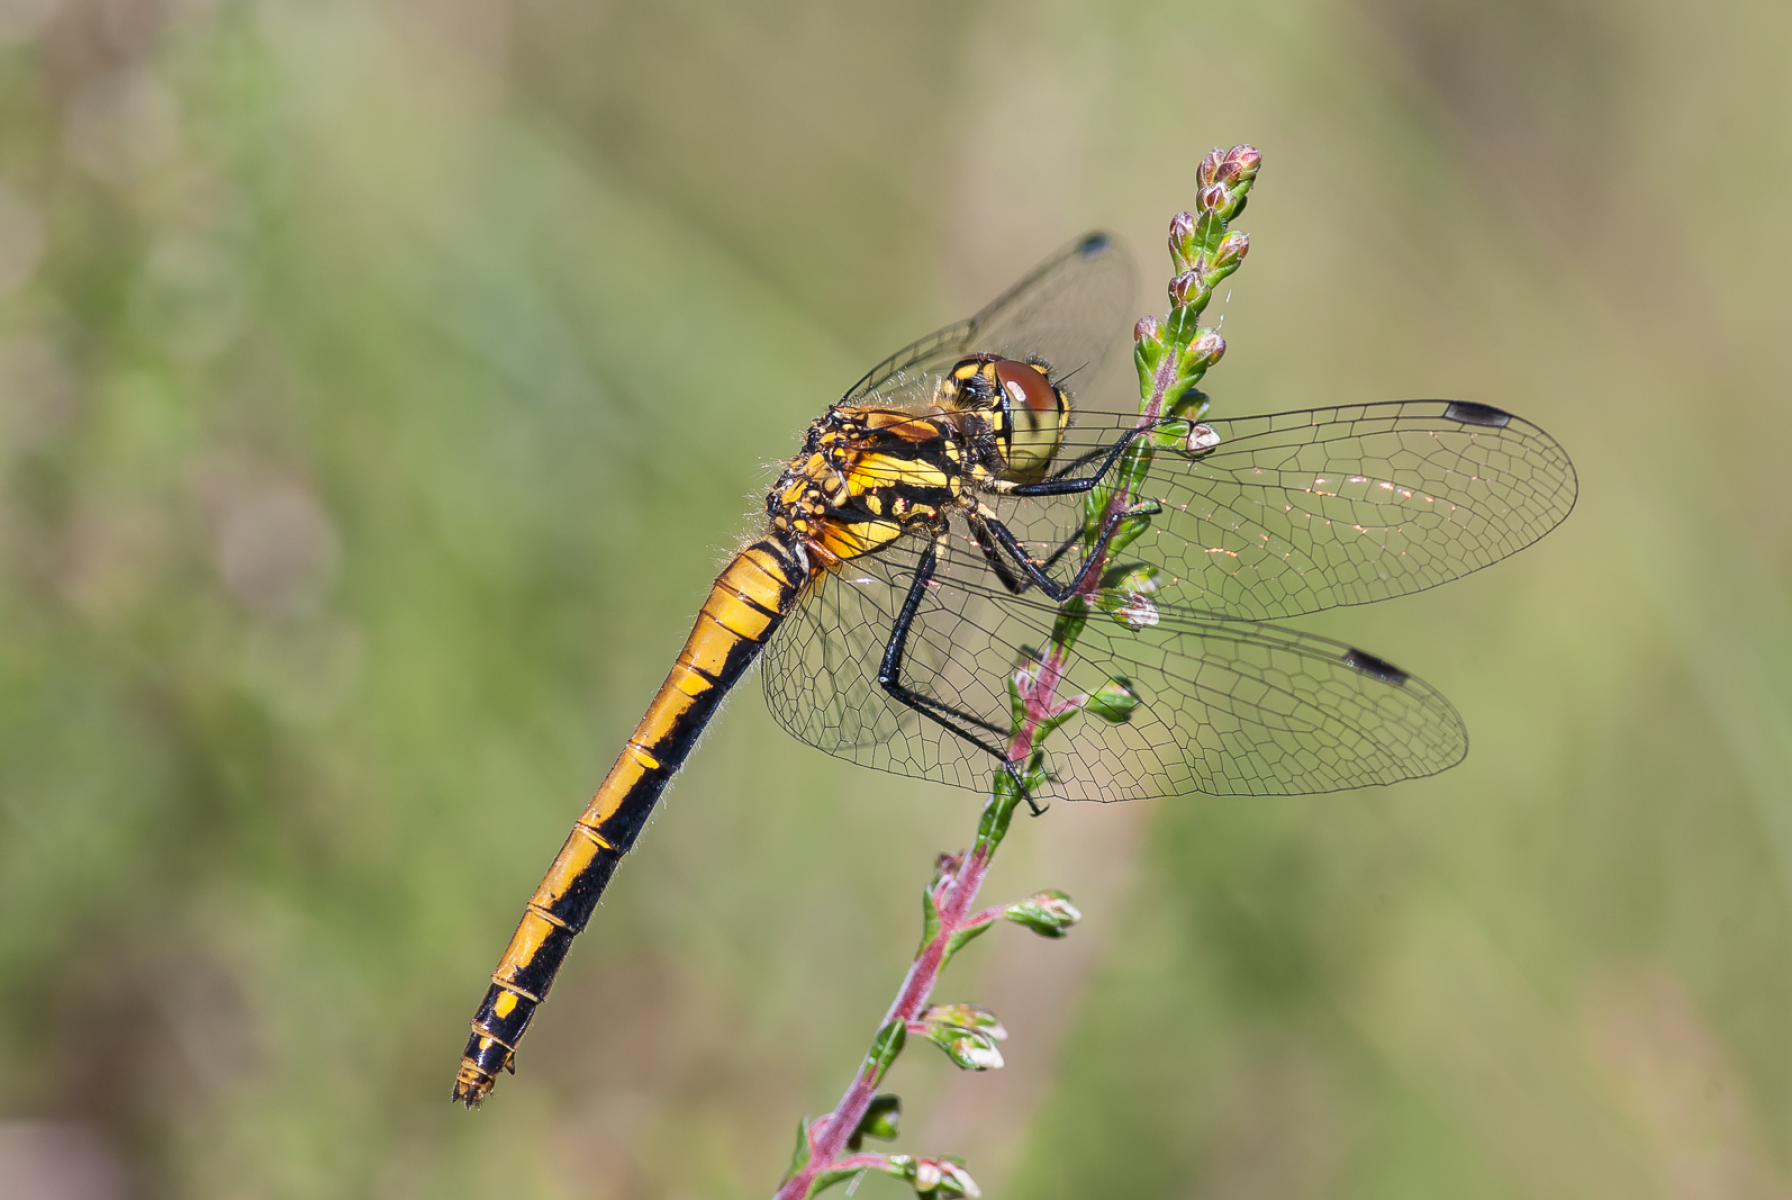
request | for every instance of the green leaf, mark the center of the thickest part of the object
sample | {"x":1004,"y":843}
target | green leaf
{"x":1192,"y":403}
{"x":800,"y":1158}
{"x":961,"y":938}
{"x":1068,"y":626}
{"x":992,"y":826}
{"x":1147,"y":372}
{"x":1114,"y":701}
{"x":930,"y":919}
{"x":880,"y":1121}
{"x":884,"y":1048}
{"x":1039,"y":735}
{"x":828,"y":1179}
{"x":1128,"y":531}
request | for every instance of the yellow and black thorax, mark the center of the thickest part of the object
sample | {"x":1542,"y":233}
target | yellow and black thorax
{"x":865,"y":476}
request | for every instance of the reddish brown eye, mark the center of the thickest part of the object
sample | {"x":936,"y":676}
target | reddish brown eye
{"x":1031,"y":420}
{"x":1026,"y":385}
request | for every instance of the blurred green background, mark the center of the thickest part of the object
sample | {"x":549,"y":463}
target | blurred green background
{"x":381,"y":383}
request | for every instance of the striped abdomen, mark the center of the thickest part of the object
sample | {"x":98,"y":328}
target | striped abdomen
{"x":750,"y":597}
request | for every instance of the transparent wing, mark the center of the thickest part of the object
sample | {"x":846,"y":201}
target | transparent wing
{"x":1286,"y":514}
{"x":1227,"y":707}
{"x":1303,"y":511}
{"x":1068,"y":314}
{"x":820,"y":671}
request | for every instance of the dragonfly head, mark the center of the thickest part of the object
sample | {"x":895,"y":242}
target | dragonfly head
{"x":1027,"y":412}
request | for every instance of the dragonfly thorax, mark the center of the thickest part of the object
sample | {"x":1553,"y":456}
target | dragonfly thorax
{"x":866,"y":476}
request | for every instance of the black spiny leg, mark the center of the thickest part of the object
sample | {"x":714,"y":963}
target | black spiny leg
{"x":999,"y":564}
{"x":889,"y":674}
{"x":1081,"y":483}
{"x":983,"y":524}
{"x":985,"y":527}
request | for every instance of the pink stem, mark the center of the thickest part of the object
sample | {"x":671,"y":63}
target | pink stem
{"x":828,"y":1136}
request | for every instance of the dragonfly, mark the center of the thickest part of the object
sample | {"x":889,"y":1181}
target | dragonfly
{"x":918,"y":546}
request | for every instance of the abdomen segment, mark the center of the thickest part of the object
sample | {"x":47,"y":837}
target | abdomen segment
{"x":749,"y":599}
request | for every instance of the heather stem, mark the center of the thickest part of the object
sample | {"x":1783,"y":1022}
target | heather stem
{"x":954,"y":896}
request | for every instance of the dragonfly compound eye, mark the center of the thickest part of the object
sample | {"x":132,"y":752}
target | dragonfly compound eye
{"x":1034,"y":415}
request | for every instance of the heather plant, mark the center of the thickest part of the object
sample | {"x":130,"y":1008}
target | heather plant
{"x":1171,"y":354}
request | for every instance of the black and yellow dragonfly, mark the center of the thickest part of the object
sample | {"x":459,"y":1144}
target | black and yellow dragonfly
{"x":914,"y":551}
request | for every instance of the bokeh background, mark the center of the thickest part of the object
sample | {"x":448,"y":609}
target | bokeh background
{"x":382,"y":381}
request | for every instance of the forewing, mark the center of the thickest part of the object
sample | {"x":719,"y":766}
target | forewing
{"x":1227,"y":707}
{"x":1068,"y":314}
{"x":1297,"y":512}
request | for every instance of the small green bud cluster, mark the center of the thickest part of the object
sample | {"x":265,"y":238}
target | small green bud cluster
{"x":1048,"y":914}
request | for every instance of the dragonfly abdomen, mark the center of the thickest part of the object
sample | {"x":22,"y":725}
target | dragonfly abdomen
{"x":750,"y":597}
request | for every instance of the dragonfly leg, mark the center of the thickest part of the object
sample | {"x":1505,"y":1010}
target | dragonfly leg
{"x":1076,"y":484}
{"x":889,"y":674}
{"x":1015,"y":583}
{"x":1034,"y":570}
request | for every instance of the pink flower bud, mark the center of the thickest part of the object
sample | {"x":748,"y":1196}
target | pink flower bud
{"x":1244,"y":161}
{"x":1209,"y":169}
{"x":1209,"y":346}
{"x":1183,"y":286}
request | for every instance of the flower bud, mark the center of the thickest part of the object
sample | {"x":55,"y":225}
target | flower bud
{"x":1201,"y":439}
{"x":1211,"y":198}
{"x":1209,"y":169}
{"x":1244,"y":162}
{"x":1232,"y":250}
{"x":968,"y":1034}
{"x":1148,"y":330}
{"x":1136,"y":613}
{"x":1182,"y":240}
{"x":974,"y":1016}
{"x":1185,"y":286}
{"x":1204,"y":351}
{"x":940,"y":1178}
{"x":1125,"y":595}
{"x":1049,"y":913}
{"x":1130,"y":577}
